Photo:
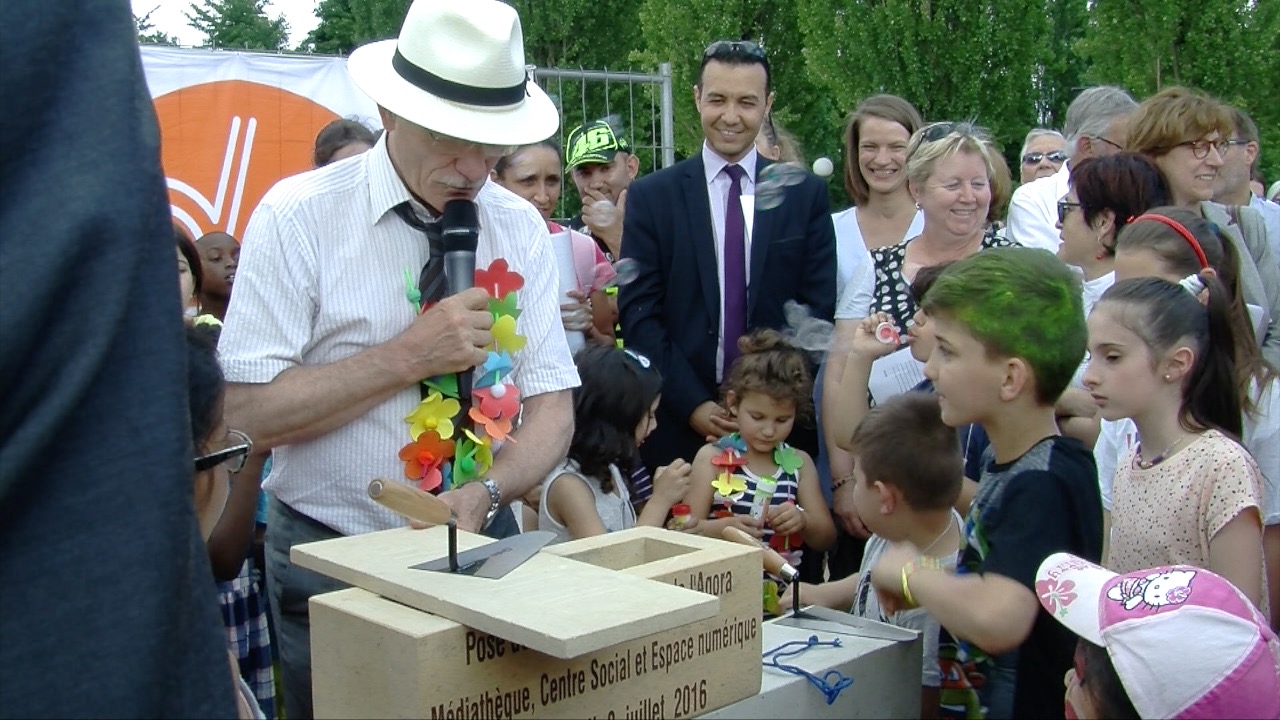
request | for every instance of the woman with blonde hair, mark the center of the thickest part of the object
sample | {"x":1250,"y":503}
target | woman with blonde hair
{"x":956,"y":177}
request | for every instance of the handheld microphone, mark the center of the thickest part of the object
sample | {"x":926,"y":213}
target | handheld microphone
{"x":460,"y":233}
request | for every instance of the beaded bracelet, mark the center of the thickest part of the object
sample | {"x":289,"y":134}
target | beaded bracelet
{"x":840,"y":481}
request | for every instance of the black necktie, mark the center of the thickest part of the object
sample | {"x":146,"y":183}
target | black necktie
{"x":431,"y":281}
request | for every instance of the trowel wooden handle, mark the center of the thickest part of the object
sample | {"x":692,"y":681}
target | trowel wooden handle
{"x":410,"y":502}
{"x":774,"y":564}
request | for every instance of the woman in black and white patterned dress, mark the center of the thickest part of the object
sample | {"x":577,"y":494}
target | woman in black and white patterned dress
{"x":960,"y":181}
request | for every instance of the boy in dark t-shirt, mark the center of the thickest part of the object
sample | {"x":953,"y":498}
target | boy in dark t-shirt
{"x":1010,"y":332}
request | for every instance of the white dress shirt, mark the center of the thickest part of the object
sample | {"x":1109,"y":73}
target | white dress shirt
{"x":718,"y":183}
{"x":1033,"y":211}
{"x":322,"y":277}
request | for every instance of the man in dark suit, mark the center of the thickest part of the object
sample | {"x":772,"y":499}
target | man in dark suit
{"x":710,"y":272}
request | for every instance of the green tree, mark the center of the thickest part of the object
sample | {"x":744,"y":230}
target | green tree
{"x":1063,"y":73}
{"x":240,"y":24}
{"x":985,"y":60}
{"x":147,"y":32}
{"x":347,"y":24}
{"x":1227,"y":48}
{"x":677,"y":31}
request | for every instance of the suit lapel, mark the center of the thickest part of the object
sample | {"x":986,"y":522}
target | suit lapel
{"x":761,"y":233}
{"x":703,"y":235}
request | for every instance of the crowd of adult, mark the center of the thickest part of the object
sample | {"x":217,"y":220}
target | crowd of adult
{"x":1067,"y":373}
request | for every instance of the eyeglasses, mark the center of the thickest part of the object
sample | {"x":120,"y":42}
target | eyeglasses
{"x":1057,"y":156}
{"x":235,"y":456}
{"x":1238,"y":141}
{"x":1200,"y":148}
{"x":724,"y":48}
{"x":453,"y":146}
{"x":1112,"y":143}
{"x":939,"y":130}
{"x":1064,"y":208}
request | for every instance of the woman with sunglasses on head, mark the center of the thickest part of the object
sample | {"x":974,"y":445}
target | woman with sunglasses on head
{"x":1186,"y":133}
{"x":1043,"y":153}
{"x":958,"y":181}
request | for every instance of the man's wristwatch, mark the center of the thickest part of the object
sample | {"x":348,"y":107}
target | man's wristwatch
{"x":495,"y":501}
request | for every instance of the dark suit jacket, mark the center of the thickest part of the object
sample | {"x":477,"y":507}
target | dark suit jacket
{"x":671,"y":313}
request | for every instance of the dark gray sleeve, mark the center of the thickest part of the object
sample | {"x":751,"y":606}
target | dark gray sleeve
{"x":108,"y":603}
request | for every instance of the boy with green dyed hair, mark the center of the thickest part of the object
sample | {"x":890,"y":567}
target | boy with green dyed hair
{"x":1010,"y":332}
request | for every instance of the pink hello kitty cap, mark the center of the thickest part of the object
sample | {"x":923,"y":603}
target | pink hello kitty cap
{"x":1184,"y":641}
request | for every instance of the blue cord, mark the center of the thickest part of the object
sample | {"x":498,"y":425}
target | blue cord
{"x":830,"y":684}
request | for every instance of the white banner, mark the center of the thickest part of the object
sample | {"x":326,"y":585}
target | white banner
{"x":234,"y":123}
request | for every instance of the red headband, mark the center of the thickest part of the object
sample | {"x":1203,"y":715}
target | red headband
{"x":1181,"y":230}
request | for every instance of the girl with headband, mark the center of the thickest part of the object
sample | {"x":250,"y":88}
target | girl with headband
{"x":1162,"y":355}
{"x":1173,"y":243}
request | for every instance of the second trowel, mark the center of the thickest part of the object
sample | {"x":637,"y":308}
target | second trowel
{"x":488,"y":561}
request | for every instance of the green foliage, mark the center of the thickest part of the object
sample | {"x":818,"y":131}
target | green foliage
{"x":347,"y":24}
{"x":1009,"y":64}
{"x":239,"y":24}
{"x":1228,"y":48}
{"x":954,"y":59}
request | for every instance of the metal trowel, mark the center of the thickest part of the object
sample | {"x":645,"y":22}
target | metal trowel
{"x":487,"y":561}
{"x":813,"y":617}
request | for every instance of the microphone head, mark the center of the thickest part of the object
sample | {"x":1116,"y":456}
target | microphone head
{"x":460,"y":226}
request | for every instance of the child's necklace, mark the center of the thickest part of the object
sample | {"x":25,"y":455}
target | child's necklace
{"x":1148,"y":464}
{"x":950,"y":521}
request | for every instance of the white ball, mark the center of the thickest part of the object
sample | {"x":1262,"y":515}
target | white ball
{"x":822,"y":167}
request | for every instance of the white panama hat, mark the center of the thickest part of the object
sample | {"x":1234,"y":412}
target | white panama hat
{"x":458,"y":69}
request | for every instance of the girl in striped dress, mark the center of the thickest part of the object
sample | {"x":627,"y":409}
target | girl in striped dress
{"x":752,"y":479}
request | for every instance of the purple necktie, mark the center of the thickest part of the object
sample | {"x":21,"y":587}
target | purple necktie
{"x":735,"y":268}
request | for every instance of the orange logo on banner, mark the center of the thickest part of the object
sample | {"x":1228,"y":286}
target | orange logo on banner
{"x":224,"y":144}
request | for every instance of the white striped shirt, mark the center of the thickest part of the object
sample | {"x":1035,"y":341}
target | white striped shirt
{"x":321,"y":278}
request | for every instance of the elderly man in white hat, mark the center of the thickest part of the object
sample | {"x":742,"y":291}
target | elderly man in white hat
{"x":324,"y":347}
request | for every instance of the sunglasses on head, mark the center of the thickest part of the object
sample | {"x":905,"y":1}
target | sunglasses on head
{"x":1057,"y":156}
{"x":939,"y":130}
{"x":725,"y":48}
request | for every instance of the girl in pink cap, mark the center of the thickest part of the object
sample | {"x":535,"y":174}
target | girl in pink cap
{"x":1175,"y":641}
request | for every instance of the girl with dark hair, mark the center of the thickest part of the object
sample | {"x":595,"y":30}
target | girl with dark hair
{"x":613,"y":410}
{"x":190,"y":273}
{"x":1187,"y":492}
{"x":1173,"y":243}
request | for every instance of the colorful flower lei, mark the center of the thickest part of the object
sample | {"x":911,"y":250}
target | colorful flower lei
{"x":451,"y":445}
{"x":731,"y":486}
